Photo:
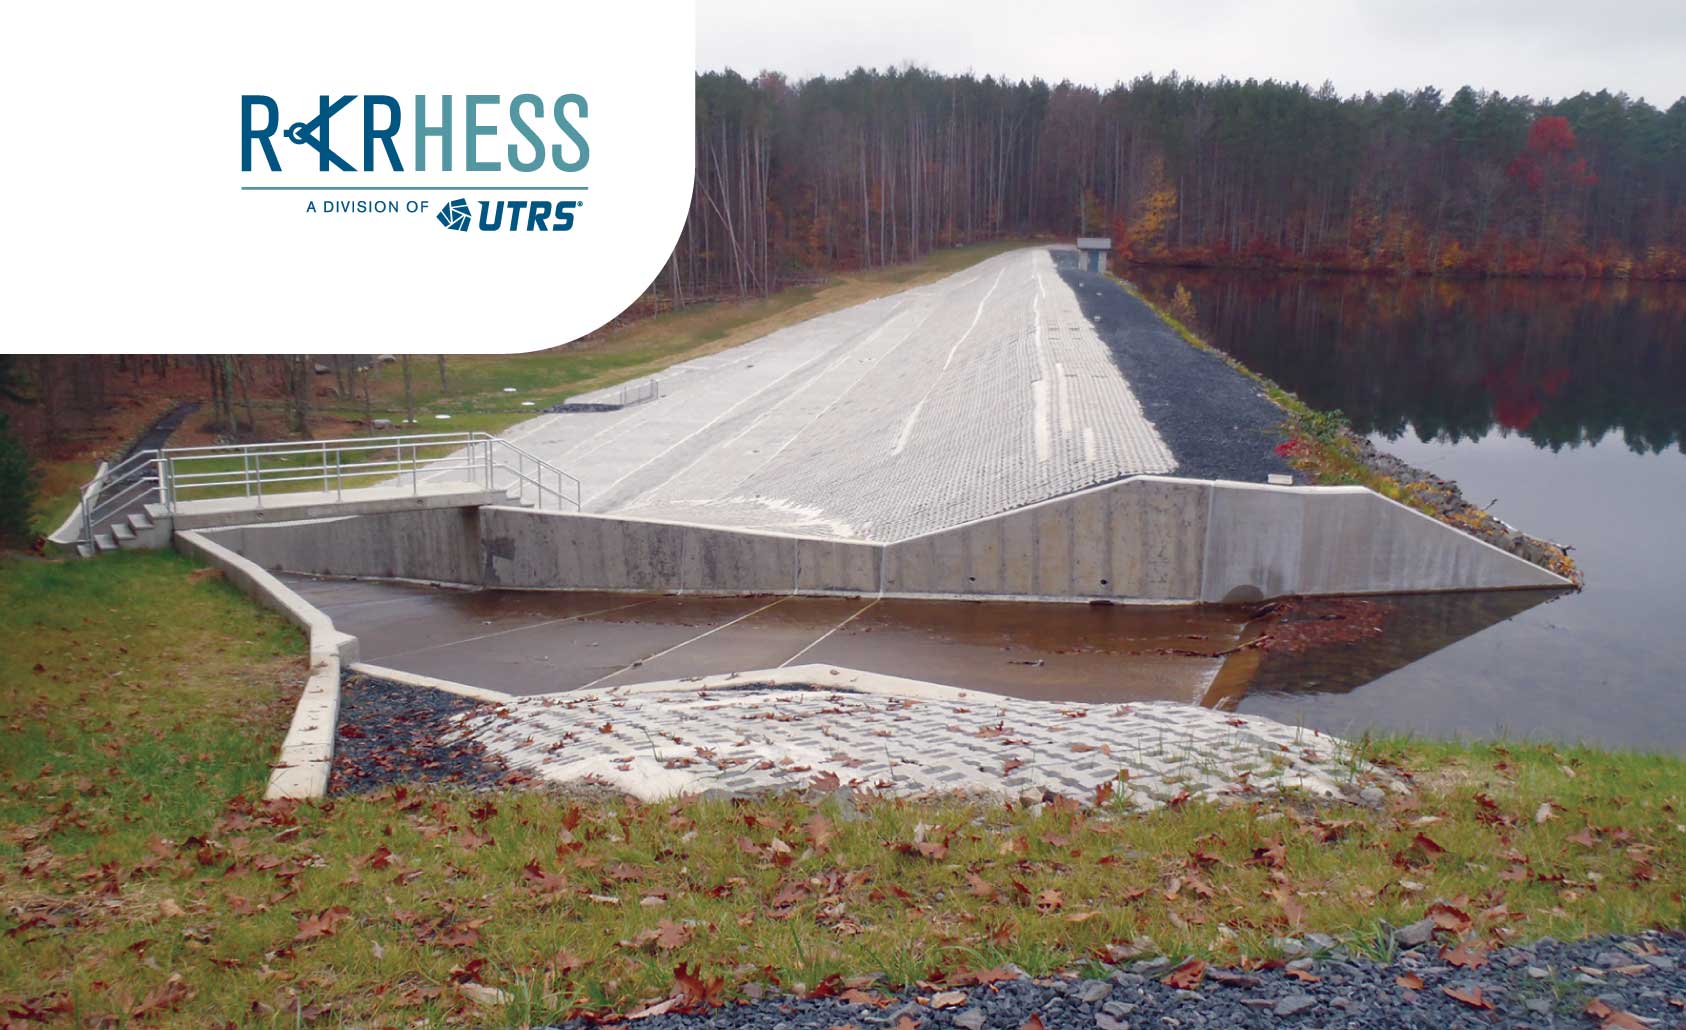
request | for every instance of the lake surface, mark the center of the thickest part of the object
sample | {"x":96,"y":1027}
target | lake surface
{"x":1563,"y":404}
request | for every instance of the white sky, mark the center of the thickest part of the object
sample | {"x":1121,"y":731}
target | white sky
{"x":1541,"y":48}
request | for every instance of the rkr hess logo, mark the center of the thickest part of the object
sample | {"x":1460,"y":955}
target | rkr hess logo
{"x":522,"y":215}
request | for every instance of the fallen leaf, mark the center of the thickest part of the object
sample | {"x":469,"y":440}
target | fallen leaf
{"x":480,"y":994}
{"x":1471,"y":997}
{"x":1186,"y":977}
{"x":671,"y":935}
{"x":323,"y":924}
{"x":1033,"y":1023}
{"x":1543,"y":813}
{"x":1409,"y":981}
{"x":696,"y":993}
{"x":1465,"y":956}
{"x":165,"y":996}
{"x":948,"y":999}
{"x":1447,"y":917}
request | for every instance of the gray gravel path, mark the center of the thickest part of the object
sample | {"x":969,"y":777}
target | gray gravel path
{"x":1548,"y":984}
{"x":1216,"y":421}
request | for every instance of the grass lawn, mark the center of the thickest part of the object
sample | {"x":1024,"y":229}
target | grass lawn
{"x":140,"y":877}
{"x":57,"y":491}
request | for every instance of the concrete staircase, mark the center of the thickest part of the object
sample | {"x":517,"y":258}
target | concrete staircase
{"x":134,"y":531}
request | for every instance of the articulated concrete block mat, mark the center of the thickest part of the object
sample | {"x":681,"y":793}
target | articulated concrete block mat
{"x":798,"y":727}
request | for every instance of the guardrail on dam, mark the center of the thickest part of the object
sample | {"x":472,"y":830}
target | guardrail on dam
{"x":1144,"y":539}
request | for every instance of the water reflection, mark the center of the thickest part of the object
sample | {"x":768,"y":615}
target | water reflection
{"x":1559,"y":363}
{"x":1558,"y":403}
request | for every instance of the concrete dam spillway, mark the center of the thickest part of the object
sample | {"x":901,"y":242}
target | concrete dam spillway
{"x":981,"y":436}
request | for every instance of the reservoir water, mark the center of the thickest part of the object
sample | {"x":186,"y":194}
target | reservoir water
{"x":1560,"y":404}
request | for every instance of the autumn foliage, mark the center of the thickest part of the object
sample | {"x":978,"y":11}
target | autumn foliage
{"x":794,"y":179}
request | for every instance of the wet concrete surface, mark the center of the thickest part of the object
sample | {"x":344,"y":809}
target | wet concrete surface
{"x":530,"y":642}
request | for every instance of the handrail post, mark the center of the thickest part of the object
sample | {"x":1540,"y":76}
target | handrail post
{"x":339,"y":476}
{"x":325,"y":466}
{"x":415,"y":469}
{"x":246,"y":470}
{"x":257,"y":470}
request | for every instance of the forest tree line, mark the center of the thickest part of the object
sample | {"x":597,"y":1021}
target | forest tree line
{"x":797,"y":178}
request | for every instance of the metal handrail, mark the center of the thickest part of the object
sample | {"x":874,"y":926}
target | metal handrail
{"x":177,"y":474}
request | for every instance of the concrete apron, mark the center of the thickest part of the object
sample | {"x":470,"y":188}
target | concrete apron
{"x":535,"y":642}
{"x":304,"y":764}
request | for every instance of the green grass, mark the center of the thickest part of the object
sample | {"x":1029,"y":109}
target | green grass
{"x":132,"y":850}
{"x":57,"y":492}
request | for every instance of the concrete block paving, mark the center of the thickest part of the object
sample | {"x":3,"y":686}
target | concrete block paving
{"x":667,"y":740}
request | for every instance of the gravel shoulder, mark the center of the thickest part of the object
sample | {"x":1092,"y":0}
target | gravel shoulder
{"x":391,"y":733}
{"x":1548,"y":984}
{"x":1217,"y":422}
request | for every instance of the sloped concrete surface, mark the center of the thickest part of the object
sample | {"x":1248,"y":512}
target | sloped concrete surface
{"x":983,"y":392}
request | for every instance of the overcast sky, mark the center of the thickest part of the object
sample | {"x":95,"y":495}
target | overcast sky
{"x":1541,"y":48}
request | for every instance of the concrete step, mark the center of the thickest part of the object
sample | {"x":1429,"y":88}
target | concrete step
{"x":121,"y":532}
{"x":103,"y":542}
{"x":139,"y":521}
{"x":85,"y":551}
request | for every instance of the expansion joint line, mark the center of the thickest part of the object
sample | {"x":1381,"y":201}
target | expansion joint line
{"x":682,"y":643}
{"x":822,"y":637}
{"x":507,"y":632}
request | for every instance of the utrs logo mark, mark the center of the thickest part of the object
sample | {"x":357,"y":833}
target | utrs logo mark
{"x":524,"y":215}
{"x":455,"y":215}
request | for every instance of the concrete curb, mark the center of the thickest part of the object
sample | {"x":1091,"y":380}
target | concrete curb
{"x":70,"y":530}
{"x":413,"y":679}
{"x":307,"y":752}
{"x":822,"y":676}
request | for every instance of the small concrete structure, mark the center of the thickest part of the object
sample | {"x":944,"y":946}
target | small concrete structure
{"x":311,"y":504}
{"x":1094,"y":253}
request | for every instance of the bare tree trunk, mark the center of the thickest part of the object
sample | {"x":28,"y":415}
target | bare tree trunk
{"x":409,"y":393}
{"x":444,"y":387}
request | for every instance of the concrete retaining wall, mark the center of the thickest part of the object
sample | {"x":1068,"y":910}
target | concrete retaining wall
{"x":1148,"y":538}
{"x":524,"y":548}
{"x":439,"y":545}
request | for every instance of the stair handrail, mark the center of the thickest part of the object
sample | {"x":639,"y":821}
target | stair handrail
{"x":171,"y":472}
